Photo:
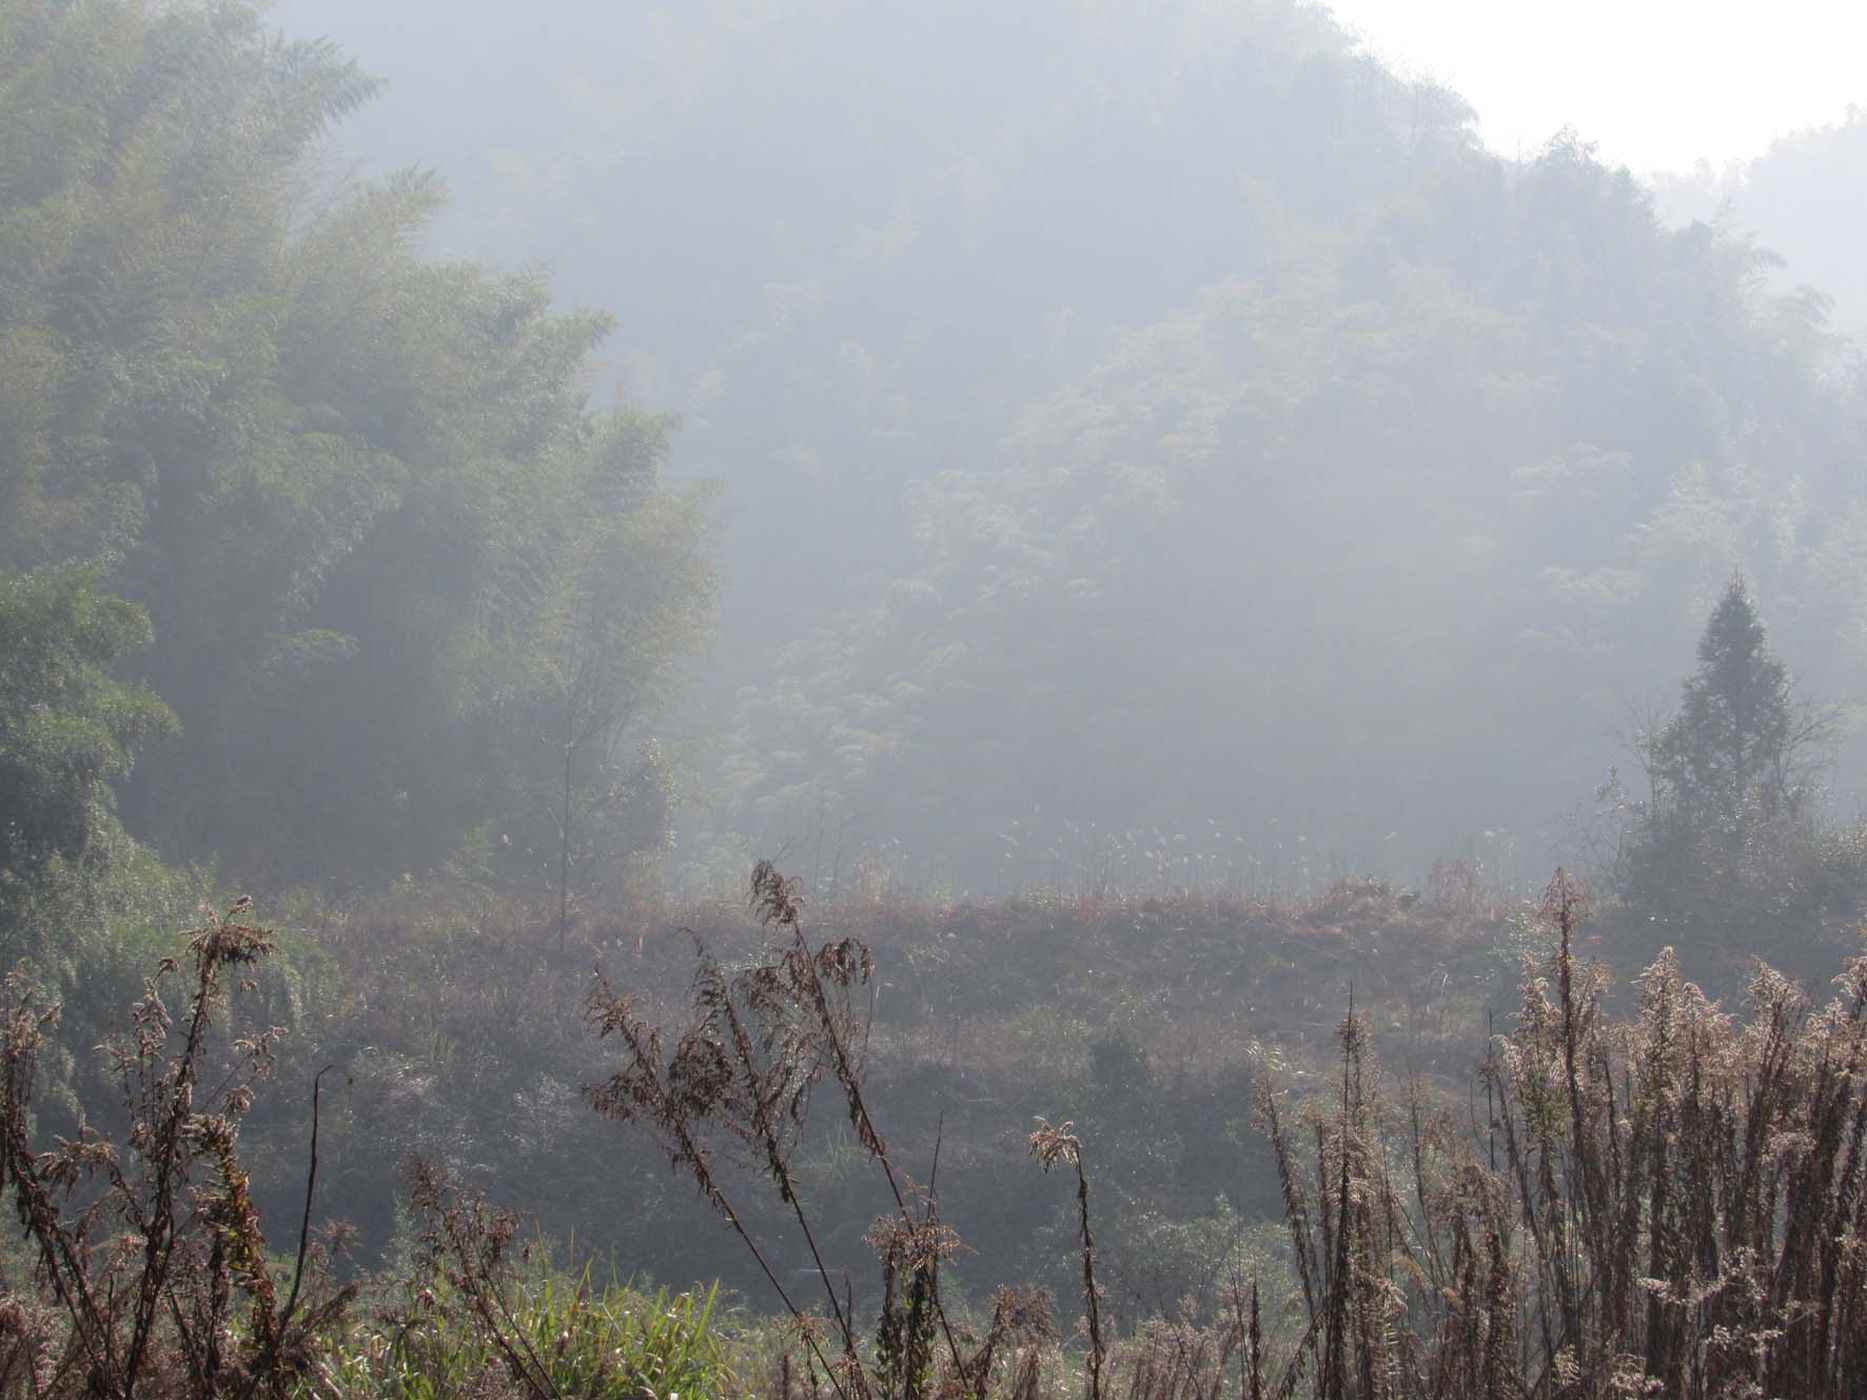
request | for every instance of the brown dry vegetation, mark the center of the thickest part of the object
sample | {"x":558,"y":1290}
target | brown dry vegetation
{"x":1673,"y":1202}
{"x":1665,"y":1198}
{"x":1145,"y":1020}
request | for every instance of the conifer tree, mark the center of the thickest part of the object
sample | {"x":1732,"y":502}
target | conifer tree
{"x":1735,"y":753}
{"x":1724,"y":853}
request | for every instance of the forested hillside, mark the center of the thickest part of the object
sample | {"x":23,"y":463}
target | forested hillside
{"x":1452,"y":454}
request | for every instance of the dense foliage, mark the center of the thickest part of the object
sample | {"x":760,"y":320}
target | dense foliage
{"x":68,"y":730}
{"x":360,"y":496}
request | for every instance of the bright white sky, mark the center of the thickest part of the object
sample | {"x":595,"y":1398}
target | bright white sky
{"x":1656,"y":84}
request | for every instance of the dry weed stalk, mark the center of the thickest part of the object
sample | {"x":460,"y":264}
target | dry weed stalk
{"x":1051,"y":1145}
{"x":464,"y":1245}
{"x":1708,"y":1176}
{"x":1674,"y":1205}
{"x":734,"y":1090}
{"x":144,"y":1247}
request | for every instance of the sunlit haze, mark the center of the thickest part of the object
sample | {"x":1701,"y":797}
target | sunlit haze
{"x":1656,"y":84}
{"x":632,"y":629}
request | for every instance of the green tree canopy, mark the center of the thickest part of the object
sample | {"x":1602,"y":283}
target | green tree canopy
{"x":66,"y":727}
{"x":350,"y":486}
{"x":67,"y":730}
{"x":1735,"y":751}
{"x":1726,"y":852}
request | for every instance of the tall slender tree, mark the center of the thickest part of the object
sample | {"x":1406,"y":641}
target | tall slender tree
{"x":1739,"y":750}
{"x":1720,"y":851}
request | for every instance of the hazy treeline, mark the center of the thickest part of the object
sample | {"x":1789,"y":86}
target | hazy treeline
{"x":1152,"y":441}
{"x":1805,"y":199}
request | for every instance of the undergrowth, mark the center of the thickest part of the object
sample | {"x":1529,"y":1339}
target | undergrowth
{"x":600,"y":1339}
{"x":1668,"y":1202}
{"x":1669,"y":1199}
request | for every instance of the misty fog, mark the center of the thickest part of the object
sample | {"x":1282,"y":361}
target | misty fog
{"x":1146,"y":436}
{"x":1141,"y":515}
